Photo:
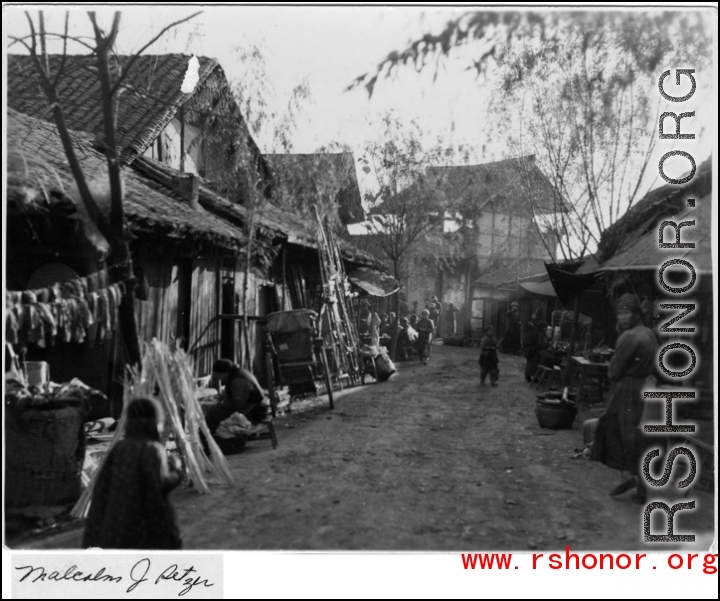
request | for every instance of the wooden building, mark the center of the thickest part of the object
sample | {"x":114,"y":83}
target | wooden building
{"x":190,"y":239}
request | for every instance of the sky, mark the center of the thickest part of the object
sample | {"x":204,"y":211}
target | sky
{"x":328,"y":47}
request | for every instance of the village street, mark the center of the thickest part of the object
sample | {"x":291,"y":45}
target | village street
{"x":427,"y":461}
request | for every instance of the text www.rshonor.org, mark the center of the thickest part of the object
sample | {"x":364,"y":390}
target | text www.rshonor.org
{"x":590,"y":561}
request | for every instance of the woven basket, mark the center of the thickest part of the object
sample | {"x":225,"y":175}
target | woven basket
{"x":555,"y":416}
{"x":44,"y":453}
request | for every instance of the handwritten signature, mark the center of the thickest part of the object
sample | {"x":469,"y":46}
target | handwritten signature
{"x":188,"y":578}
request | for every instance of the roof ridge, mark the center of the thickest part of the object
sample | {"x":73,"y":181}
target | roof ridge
{"x":520,"y":158}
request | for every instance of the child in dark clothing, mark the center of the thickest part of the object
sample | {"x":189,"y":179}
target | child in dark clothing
{"x":425,"y":328}
{"x":488,"y":358}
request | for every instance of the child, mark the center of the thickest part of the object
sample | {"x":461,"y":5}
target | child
{"x":130,"y":507}
{"x":425,"y":328}
{"x":488,"y":358}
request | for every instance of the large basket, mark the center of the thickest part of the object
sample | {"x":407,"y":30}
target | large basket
{"x":44,"y":453}
{"x":555,"y":416}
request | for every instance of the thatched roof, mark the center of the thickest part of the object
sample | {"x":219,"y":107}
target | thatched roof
{"x":501,"y":186}
{"x":273,"y":223}
{"x":644,"y":254}
{"x":657,"y":204}
{"x":304,"y":177}
{"x":147,"y":209}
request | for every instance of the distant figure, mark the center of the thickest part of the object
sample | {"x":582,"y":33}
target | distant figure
{"x":413,"y":319}
{"x":451,"y":319}
{"x":425,"y":328}
{"x":375,"y":330}
{"x":407,"y":337}
{"x":511,"y":341}
{"x":365,"y":317}
{"x":488,"y":358}
{"x":130,"y":508}
{"x":384,"y":323}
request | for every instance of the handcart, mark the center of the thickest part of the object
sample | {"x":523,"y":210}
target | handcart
{"x":295,"y":355}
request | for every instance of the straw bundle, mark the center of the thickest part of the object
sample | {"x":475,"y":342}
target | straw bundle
{"x":172,"y":374}
{"x":186,"y":386}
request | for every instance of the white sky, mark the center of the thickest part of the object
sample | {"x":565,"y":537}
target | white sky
{"x":330,"y":46}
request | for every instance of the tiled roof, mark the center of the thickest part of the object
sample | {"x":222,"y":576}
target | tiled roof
{"x":505,"y":184}
{"x":273,"y":221}
{"x":146,"y":209}
{"x":146,"y":105}
{"x":513,"y":270}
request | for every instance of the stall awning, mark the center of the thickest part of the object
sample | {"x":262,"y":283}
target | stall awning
{"x":541,"y":288}
{"x":568,"y":286}
{"x":373,"y":282}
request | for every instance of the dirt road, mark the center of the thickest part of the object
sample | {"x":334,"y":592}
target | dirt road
{"x":428,"y":461}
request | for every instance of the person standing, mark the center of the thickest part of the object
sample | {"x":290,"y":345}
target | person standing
{"x":406,"y":338}
{"x":619,"y":441}
{"x":426,"y":329}
{"x":511,"y":341}
{"x":130,"y":508}
{"x":451,"y":319}
{"x":433,"y":313}
{"x":531,"y":347}
{"x":488,"y":358}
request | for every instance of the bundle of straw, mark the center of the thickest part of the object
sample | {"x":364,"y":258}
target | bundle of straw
{"x":186,"y":388}
{"x":160,"y":358}
{"x":134,"y":387}
{"x":172,"y":373}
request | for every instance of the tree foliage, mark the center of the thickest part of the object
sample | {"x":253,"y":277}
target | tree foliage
{"x":406,"y":208}
{"x":647,"y":35}
{"x":585,"y":103}
{"x":576,"y":89}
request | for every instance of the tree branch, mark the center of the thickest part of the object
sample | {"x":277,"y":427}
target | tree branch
{"x":126,"y":69}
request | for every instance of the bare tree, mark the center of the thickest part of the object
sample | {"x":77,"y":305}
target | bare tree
{"x":409,"y":208}
{"x":111,"y":75}
{"x":574,"y":91}
{"x":582,"y":110}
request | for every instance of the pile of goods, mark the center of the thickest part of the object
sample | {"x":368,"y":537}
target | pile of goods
{"x":45,"y":440}
{"x":383,"y":365}
{"x":169,"y":376}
